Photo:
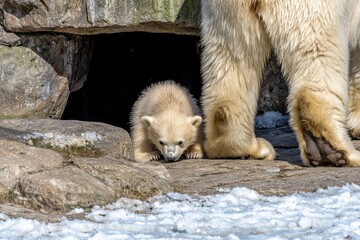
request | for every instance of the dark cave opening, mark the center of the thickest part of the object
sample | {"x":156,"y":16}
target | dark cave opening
{"x":124,"y":64}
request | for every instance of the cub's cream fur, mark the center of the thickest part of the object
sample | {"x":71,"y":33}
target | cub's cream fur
{"x":166,"y":120}
{"x":317,"y":44}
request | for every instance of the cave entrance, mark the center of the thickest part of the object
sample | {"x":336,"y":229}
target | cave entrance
{"x":123,"y":64}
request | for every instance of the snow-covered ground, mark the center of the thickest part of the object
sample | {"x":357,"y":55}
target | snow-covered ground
{"x":237,"y":213}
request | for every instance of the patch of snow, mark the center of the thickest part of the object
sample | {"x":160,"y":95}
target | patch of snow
{"x":273,"y":170}
{"x":238,"y":213}
{"x":63,"y":140}
{"x":271,"y":120}
{"x":76,"y":211}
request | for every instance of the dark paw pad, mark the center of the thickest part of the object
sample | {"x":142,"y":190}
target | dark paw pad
{"x":320,"y":152}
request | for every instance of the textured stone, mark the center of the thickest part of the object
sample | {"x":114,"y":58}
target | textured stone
{"x":128,"y":179}
{"x":64,"y":189}
{"x":29,"y":85}
{"x":68,"y":55}
{"x":18,"y":159}
{"x":54,"y":165}
{"x":115,"y":141}
{"x":100,"y":16}
{"x":8,"y":39}
{"x":286,"y":175}
{"x":36,"y":78}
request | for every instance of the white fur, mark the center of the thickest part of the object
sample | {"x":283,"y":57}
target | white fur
{"x":165,"y":120}
{"x":311,"y":39}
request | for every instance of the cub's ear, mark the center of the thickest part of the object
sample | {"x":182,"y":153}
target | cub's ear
{"x":196,"y":120}
{"x":147,"y":120}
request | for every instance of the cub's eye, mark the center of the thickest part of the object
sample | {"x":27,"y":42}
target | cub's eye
{"x":180,"y":142}
{"x":161,"y":142}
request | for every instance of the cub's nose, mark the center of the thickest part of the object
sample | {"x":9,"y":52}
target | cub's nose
{"x":170,"y":159}
{"x":170,"y":156}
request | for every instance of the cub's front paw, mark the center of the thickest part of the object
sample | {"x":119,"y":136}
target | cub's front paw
{"x":154,"y":156}
{"x":147,"y":157}
{"x":194,"y":152}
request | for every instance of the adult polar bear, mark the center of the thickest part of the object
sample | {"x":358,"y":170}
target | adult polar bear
{"x":317,"y":44}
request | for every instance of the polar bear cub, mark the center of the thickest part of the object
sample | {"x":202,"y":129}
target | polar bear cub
{"x":165,"y":120}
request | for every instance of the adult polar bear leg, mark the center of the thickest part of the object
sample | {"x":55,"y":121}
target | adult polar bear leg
{"x":310,"y":39}
{"x":354,"y":73}
{"x":354,"y":94}
{"x":233,"y":59}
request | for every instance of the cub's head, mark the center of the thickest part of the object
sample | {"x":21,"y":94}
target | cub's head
{"x":172,"y":135}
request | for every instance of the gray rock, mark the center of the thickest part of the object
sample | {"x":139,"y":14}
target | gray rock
{"x":8,"y":39}
{"x":286,"y":175}
{"x":267,"y":177}
{"x":64,"y":189}
{"x":29,"y":85}
{"x":114,"y":142}
{"x":18,"y":211}
{"x":128,"y":179}
{"x":69,"y":55}
{"x":17,"y":160}
{"x":53,"y":165}
{"x":37,"y":77}
{"x":93,"y":17}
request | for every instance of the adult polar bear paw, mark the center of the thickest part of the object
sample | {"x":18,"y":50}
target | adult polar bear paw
{"x":317,"y":44}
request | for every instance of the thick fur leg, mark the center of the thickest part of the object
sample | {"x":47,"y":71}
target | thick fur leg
{"x":143,"y":149}
{"x":316,"y":68}
{"x":194,"y":152}
{"x":235,"y":50}
{"x":323,"y":138}
{"x":354,"y":94}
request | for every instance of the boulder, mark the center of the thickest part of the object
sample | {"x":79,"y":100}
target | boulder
{"x":94,"y":17}
{"x":55,"y":166}
{"x":17,"y":160}
{"x":37,"y":75}
{"x":63,"y":189}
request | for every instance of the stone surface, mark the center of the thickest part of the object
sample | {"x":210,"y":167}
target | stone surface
{"x":267,"y":177}
{"x":93,"y":17}
{"x":17,"y":159}
{"x":68,"y":55}
{"x":37,"y":76}
{"x":124,"y":177}
{"x":64,"y":189}
{"x":115,"y":142}
{"x":285,"y":175}
{"x":55,"y":166}
{"x":8,"y":39}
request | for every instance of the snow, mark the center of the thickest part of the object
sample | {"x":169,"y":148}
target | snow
{"x":271,"y":119}
{"x":63,"y":140}
{"x":238,"y":213}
